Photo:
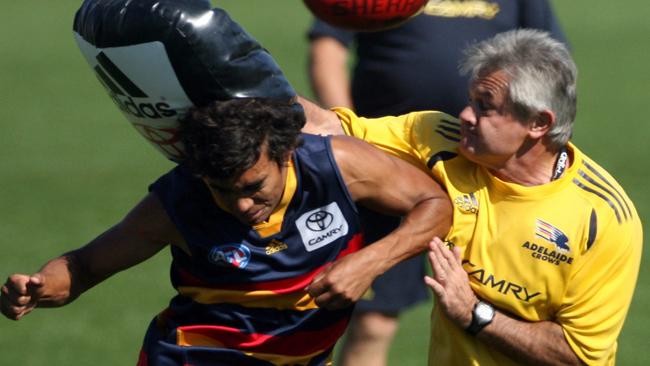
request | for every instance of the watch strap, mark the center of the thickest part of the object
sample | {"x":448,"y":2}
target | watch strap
{"x":478,"y":323}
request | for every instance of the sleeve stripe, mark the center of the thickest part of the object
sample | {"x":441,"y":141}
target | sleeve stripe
{"x":593,"y":229}
{"x":600,"y":176}
{"x":448,"y":137}
{"x":452,"y":123}
{"x":593,"y":181}
{"x":454,"y":130}
{"x":591,"y":190}
{"x":443,"y":155}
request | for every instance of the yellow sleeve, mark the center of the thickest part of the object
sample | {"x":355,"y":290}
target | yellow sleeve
{"x":418,"y":138}
{"x":600,"y":290}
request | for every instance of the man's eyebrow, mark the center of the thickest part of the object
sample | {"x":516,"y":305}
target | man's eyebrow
{"x":253,"y":186}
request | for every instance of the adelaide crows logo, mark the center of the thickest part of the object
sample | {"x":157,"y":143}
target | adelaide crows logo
{"x":230,"y":255}
{"x":552,"y":234}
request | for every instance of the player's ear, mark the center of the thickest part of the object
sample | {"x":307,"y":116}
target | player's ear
{"x":541,"y":123}
{"x":287,"y":157}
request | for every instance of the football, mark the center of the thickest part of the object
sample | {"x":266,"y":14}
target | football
{"x":365,"y":15}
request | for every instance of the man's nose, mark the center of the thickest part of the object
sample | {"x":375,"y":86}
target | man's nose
{"x":243,"y":204}
{"x":468,"y":115}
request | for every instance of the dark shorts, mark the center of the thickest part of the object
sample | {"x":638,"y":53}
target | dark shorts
{"x":400,"y":287}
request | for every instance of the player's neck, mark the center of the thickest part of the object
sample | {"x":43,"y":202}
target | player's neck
{"x":537,"y":166}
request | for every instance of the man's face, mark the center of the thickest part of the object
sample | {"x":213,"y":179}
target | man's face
{"x":490,"y":133}
{"x":253,"y":196}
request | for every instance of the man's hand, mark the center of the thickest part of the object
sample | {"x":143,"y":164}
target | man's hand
{"x":450,"y":283}
{"x":20,"y":294}
{"x":344,"y":282}
{"x":320,"y":121}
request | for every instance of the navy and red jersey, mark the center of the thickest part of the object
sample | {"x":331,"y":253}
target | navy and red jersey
{"x":241,"y":296}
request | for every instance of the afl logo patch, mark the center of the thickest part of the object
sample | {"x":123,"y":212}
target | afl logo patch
{"x":322,"y":226}
{"x":230,"y":255}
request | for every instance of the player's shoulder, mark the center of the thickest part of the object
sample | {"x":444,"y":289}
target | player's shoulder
{"x":440,"y":123}
{"x":434,"y":134}
{"x":432,"y":116}
{"x":602,"y":192}
{"x":348,"y":147}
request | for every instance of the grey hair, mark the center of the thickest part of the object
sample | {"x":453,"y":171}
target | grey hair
{"x":542,"y":75}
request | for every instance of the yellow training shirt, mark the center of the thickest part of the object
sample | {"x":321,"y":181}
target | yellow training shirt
{"x":568,"y":251}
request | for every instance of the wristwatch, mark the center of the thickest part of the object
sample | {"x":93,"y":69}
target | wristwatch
{"x":482,"y":315}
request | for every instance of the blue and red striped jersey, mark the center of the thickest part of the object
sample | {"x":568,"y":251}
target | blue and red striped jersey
{"x":241,"y":296}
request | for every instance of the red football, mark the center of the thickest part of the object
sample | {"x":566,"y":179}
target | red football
{"x":365,"y":15}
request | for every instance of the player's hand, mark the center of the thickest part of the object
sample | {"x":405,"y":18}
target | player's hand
{"x":450,"y":283}
{"x":343,"y":283}
{"x":20,"y":294}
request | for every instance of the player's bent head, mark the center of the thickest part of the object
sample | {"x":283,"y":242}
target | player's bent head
{"x":225,"y":138}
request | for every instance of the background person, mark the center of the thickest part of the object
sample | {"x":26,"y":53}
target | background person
{"x":247,"y":214}
{"x":409,"y":68}
{"x":546,"y":244}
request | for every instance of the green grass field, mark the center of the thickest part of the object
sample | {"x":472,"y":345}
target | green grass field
{"x":70,"y":166}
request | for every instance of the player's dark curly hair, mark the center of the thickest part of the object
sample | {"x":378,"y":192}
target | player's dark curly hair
{"x":225,"y":138}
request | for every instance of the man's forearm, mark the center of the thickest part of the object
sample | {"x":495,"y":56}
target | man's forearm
{"x":349,"y":277}
{"x":532,"y":343}
{"x":65,"y":279}
{"x":58,"y":278}
{"x":329,"y":72}
{"x":427,"y":219}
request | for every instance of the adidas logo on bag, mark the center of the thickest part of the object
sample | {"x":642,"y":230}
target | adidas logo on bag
{"x":122,"y":90}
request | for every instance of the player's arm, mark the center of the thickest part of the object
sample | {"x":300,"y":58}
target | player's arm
{"x":320,"y":121}
{"x":328,"y":71}
{"x":328,"y":64}
{"x":420,"y":138}
{"x":142,"y":233}
{"x":592,"y":311}
{"x":538,"y":343}
{"x":532,"y":343}
{"x":386,"y":184}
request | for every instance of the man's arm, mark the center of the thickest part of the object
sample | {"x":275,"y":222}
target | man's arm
{"x":532,"y":343}
{"x":320,"y":121}
{"x":386,"y":184}
{"x":141,"y":234}
{"x":328,"y":71}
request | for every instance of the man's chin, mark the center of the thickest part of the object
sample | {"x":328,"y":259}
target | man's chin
{"x":465,"y":150}
{"x":252,"y":221}
{"x":469,"y":153}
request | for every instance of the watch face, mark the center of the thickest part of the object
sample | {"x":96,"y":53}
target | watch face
{"x":484,"y":311}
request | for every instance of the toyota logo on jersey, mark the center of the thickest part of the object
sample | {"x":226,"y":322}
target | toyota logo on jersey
{"x":319,"y":221}
{"x":321,"y":226}
{"x":230,"y":255}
